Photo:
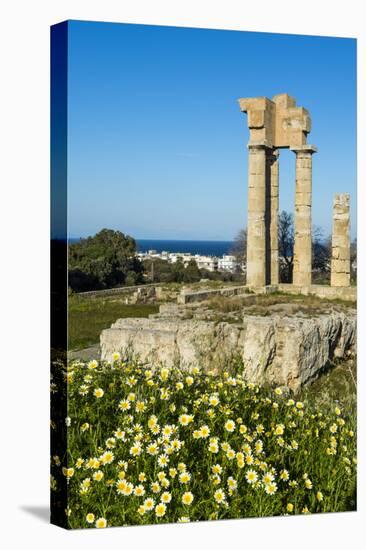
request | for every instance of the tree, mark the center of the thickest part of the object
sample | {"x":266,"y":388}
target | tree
{"x":166,"y":272}
{"x":286,"y":246}
{"x":162,"y":271}
{"x":104,"y":261}
{"x":354,"y":260}
{"x":191,"y":273}
{"x":321,"y":248}
{"x":178,"y":270}
{"x":321,"y":254}
{"x":239,"y":248}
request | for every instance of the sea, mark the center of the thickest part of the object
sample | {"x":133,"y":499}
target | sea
{"x":204,"y":248}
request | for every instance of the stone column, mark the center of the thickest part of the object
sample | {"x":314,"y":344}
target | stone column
{"x":256,"y":238}
{"x":302,"y":222}
{"x":274,"y":204}
{"x":341,"y":246}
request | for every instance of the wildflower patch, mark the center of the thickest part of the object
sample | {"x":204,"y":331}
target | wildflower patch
{"x":147,"y":444}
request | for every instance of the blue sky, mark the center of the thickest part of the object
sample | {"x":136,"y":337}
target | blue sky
{"x":156,"y":140}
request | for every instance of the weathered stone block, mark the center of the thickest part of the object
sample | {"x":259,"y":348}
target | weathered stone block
{"x":288,"y":350}
{"x":256,"y":119}
{"x":341,"y":253}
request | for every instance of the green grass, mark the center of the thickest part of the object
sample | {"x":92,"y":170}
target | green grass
{"x":89,"y":316}
{"x":338,"y":383}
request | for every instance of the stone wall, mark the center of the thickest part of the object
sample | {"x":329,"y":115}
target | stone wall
{"x":117,"y":290}
{"x":191,"y":296}
{"x":348,"y":293}
{"x":322,"y":291}
{"x":283,"y":350}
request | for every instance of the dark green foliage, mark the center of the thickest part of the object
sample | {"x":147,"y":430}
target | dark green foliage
{"x":161,"y":271}
{"x":104,"y":261}
{"x":191,"y":273}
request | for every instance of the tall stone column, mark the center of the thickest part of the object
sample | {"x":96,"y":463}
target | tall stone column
{"x":274,"y":206}
{"x":302,"y":223}
{"x":256,"y":237}
{"x":341,"y":246}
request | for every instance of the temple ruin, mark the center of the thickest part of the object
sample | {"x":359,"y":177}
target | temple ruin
{"x":278,"y":343}
{"x":275,"y":124}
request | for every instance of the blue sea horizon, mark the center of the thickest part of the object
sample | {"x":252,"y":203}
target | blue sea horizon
{"x":209,"y":248}
{"x":205,"y":248}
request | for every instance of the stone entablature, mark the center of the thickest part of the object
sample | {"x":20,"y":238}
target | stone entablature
{"x":276,"y":123}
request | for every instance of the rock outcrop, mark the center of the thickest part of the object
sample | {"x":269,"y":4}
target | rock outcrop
{"x":289,"y":350}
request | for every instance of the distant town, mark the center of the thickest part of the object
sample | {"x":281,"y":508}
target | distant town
{"x":226,"y":262}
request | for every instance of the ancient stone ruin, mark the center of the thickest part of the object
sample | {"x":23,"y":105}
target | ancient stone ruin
{"x":282,"y":348}
{"x":341,"y":259}
{"x":273,"y":125}
{"x":283,"y":344}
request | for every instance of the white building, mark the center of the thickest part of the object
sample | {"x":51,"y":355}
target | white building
{"x":227,"y":263}
{"x":210,"y":263}
{"x":184,"y":257}
{"x":206,"y":262}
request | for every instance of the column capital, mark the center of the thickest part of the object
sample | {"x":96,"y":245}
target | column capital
{"x":307,"y":148}
{"x":259,"y":145}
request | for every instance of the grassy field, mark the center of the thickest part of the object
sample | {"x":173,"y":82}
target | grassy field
{"x":89,"y":316}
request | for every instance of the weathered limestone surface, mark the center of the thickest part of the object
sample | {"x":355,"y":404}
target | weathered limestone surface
{"x":273,"y":209}
{"x":275,"y":124}
{"x":322,"y":291}
{"x":285,"y":350}
{"x":256,"y":241}
{"x":302,"y":222}
{"x":189,"y":296}
{"x":292,"y":123}
{"x":341,"y":246}
{"x":261,"y":119}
